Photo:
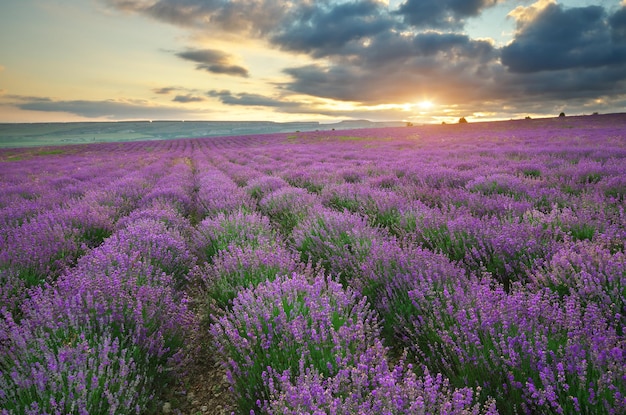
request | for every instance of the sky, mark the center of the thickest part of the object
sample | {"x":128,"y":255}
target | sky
{"x":419,"y":61}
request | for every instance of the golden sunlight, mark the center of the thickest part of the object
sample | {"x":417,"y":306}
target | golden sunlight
{"x":425,"y":105}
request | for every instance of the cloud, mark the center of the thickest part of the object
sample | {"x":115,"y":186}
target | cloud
{"x":525,"y":15}
{"x":618,"y":25}
{"x":322,"y":30}
{"x":397,"y":68}
{"x":249,"y":17}
{"x":214,"y":61}
{"x":556,"y":38}
{"x":251,"y":100}
{"x":165,"y":90}
{"x":442,"y":14}
{"x":187,"y":98}
{"x":107,"y":109}
{"x":1,"y":68}
{"x":318,"y":27}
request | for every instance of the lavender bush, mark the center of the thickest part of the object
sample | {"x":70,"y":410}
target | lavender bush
{"x":288,"y":206}
{"x":337,"y":241}
{"x":73,"y":370}
{"x":112,"y":328}
{"x":529,"y":351}
{"x":369,"y":386}
{"x":263,"y":185}
{"x":239,"y":267}
{"x":291,"y":324}
{"x":238,"y":228}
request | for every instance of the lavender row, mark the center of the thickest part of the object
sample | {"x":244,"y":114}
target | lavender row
{"x":110,"y":333}
{"x":105,"y":336}
{"x":248,"y":268}
{"x":45,"y":245}
{"x":303,"y":344}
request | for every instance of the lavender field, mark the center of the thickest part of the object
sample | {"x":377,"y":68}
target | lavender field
{"x":448,"y":269}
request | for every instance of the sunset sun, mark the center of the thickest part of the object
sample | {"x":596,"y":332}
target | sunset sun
{"x":425,"y":105}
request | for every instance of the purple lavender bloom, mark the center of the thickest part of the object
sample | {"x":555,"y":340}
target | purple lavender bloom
{"x":161,"y":212}
{"x":288,"y":206}
{"x":175,"y":188}
{"x":291,"y":324}
{"x":370,"y":386}
{"x":13,"y":290}
{"x":154,"y":242}
{"x":337,"y":241}
{"x":261,"y":186}
{"x":237,"y":228}
{"x":238,"y":267}
{"x":308,"y":179}
{"x":217,"y":193}
{"x":590,"y":272}
{"x":72,"y":370}
{"x":528,"y":350}
{"x":39,"y":249}
{"x":103,"y":337}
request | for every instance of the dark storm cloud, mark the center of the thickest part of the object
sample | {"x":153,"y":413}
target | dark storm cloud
{"x":251,"y":100}
{"x":318,"y":27}
{"x":323,"y":30}
{"x":109,"y":109}
{"x":184,"y":99}
{"x":560,"y":38}
{"x":397,"y":68}
{"x":214,"y":61}
{"x":442,"y":14}
{"x":618,"y":25}
{"x":563,"y":85}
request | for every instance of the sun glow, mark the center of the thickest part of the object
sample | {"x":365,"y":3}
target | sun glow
{"x":425,"y":105}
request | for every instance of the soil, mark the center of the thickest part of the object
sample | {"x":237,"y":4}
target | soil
{"x":204,"y":389}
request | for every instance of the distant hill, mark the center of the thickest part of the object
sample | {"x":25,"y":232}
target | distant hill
{"x":48,"y":134}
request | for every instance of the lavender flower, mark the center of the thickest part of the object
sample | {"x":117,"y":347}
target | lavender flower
{"x":237,"y":228}
{"x":291,"y":324}
{"x":370,"y":386}
{"x":339,"y":242}
{"x":238,"y":267}
{"x":288,"y":206}
{"x":263,"y":185}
